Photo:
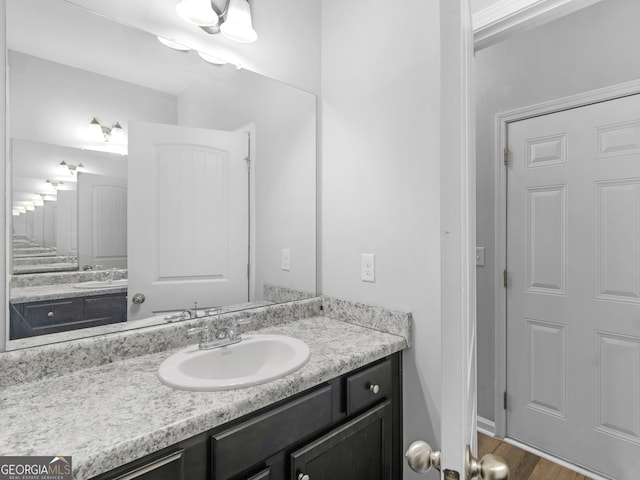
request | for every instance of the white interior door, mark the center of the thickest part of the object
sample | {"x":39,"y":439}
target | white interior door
{"x":67,"y":223}
{"x":102,"y":221}
{"x":188,"y":218}
{"x":573,"y":302}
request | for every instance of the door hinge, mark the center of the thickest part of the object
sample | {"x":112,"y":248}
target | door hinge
{"x":506,"y":155}
{"x":504,"y":279}
{"x":248,"y":270}
{"x":504,"y":400}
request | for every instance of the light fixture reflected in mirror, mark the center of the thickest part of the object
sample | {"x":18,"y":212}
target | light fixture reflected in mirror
{"x":69,"y":168}
{"x":234,"y":21}
{"x":167,"y":42}
{"x":100,"y":133}
{"x":211,"y":59}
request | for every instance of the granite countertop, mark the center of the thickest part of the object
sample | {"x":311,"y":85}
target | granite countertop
{"x":58,"y":291}
{"x":109,"y":415}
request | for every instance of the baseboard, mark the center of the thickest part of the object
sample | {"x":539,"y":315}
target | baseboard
{"x":486,"y":426}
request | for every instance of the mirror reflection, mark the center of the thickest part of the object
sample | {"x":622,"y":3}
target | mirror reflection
{"x":147,"y":183}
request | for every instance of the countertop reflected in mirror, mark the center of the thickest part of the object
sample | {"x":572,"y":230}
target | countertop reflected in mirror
{"x":120,"y":75}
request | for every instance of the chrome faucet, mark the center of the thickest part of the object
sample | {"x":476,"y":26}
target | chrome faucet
{"x":220,"y":338}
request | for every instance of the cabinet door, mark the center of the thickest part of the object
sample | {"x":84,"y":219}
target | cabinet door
{"x":357,"y":450}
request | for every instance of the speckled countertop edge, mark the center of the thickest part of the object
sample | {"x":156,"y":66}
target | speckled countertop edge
{"x":55,"y":292}
{"x":109,"y":415}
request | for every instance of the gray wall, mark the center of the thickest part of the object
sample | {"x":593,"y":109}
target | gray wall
{"x":590,"y":49}
{"x":380,"y":178}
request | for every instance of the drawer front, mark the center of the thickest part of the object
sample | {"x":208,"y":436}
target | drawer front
{"x":105,"y":306}
{"x":51,"y":313}
{"x":368,"y":386}
{"x":247,"y":444}
{"x":167,"y":468}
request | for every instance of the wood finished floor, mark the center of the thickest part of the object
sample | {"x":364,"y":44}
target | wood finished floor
{"x":525,"y":465}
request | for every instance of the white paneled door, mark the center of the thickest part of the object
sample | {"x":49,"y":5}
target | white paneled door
{"x":573,"y":297}
{"x":188,"y":218}
{"x":102,"y":221}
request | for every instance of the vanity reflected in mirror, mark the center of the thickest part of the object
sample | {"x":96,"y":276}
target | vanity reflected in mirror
{"x":147,"y":182}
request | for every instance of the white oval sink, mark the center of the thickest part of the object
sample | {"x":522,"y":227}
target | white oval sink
{"x":102,"y":284}
{"x":256,"y":359}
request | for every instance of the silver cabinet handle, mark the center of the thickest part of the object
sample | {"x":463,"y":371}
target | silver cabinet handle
{"x":490,"y":467}
{"x":421,"y":457}
{"x":50,"y":314}
{"x":138,"y":298}
{"x":374,"y":388}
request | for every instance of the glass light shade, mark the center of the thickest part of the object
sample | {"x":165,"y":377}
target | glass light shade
{"x":167,"y":42}
{"x":238,"y":25}
{"x":20,"y":209}
{"x":197,"y":12}
{"x":38,"y":203}
{"x":117,"y":135}
{"x":211,"y":59}
{"x":30,"y":208}
{"x":16,"y":213}
{"x":95,"y":131}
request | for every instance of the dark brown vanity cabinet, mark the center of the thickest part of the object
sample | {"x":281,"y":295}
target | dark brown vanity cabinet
{"x":349,"y":428}
{"x":30,"y":319}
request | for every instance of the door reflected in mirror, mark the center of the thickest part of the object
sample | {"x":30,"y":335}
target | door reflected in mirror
{"x":194,"y":227}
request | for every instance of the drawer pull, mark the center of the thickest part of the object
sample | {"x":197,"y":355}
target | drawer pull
{"x":302,"y":476}
{"x":50,"y":314}
{"x":374,"y":388}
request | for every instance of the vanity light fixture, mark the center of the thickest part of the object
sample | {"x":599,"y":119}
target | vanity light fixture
{"x":70,"y":168}
{"x":238,"y":25}
{"x":100,"y":133}
{"x":198,"y":12}
{"x":234,"y":21}
{"x":55,"y":184}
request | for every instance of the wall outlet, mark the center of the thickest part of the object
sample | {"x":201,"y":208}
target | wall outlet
{"x":286,"y":260}
{"x":368,"y":270}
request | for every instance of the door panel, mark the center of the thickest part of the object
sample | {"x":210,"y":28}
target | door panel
{"x":188,"y":217}
{"x":102,"y":220}
{"x":573,"y":302}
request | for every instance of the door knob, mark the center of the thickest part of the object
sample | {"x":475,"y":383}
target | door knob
{"x":138,"y":298}
{"x":490,"y":467}
{"x":302,"y":476}
{"x":421,"y":457}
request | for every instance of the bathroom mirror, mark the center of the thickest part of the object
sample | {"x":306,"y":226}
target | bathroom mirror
{"x":69,"y":68}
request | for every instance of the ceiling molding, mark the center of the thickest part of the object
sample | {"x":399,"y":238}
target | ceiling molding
{"x":506,"y":17}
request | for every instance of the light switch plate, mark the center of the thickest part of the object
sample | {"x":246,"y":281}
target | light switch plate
{"x":286,"y":260}
{"x":368,"y":271}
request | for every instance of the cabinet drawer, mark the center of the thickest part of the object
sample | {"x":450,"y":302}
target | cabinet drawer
{"x":51,"y":313}
{"x":245,"y":445}
{"x":107,"y":306}
{"x":368,"y":386}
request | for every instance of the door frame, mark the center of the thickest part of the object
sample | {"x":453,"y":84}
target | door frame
{"x":502,"y":122}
